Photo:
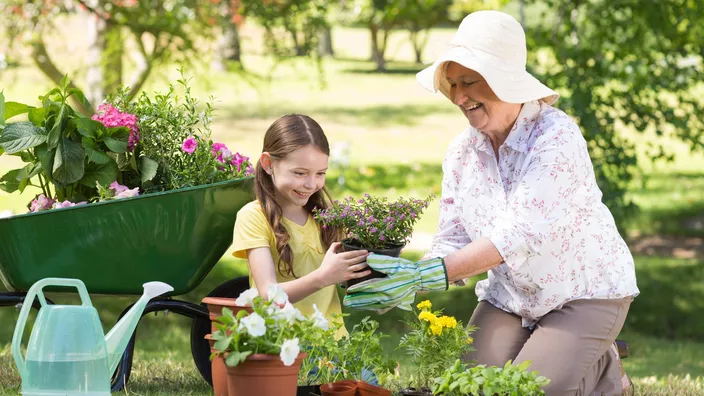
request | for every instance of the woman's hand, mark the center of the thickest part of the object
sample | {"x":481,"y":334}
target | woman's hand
{"x":340,"y":267}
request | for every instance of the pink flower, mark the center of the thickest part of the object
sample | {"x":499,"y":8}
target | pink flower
{"x":128,"y":193}
{"x":112,"y":118}
{"x":249,"y":171}
{"x":189,"y":145}
{"x":41,"y":203}
{"x":67,"y":204}
{"x":123,"y":191}
{"x":238,"y":159}
{"x":221,"y":152}
{"x":117,"y":187}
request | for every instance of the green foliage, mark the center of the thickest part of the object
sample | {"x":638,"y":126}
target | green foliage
{"x":61,"y":148}
{"x":629,"y":64}
{"x":434,"y":342}
{"x":165,"y":123}
{"x":291,"y":26}
{"x":272,"y":327}
{"x":373,"y":222}
{"x":331,"y":360}
{"x":509,"y":380}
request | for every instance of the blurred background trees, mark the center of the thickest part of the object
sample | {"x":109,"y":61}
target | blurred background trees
{"x":625,"y":63}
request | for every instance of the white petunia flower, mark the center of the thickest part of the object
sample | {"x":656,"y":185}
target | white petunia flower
{"x":320,"y":320}
{"x":245,"y":299}
{"x":289,"y":351}
{"x":277,"y":295}
{"x":254,"y":324}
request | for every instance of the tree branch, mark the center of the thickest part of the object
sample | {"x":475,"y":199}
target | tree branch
{"x":43,"y":61}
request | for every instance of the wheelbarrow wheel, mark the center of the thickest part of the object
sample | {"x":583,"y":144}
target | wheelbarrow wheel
{"x":200,"y":348}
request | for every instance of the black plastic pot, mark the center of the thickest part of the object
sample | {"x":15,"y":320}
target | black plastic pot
{"x":416,"y":392}
{"x":308,"y":390}
{"x":349,"y":245}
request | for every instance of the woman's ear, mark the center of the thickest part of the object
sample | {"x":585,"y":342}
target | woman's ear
{"x":265,"y":160}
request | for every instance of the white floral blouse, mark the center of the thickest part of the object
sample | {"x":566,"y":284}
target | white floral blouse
{"x":541,"y":207}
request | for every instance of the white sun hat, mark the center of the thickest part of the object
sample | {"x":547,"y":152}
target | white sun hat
{"x":493,"y":44}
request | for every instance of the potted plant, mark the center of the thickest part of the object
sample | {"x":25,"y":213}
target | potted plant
{"x":460,"y":380}
{"x":373,"y":224}
{"x":434,"y":343}
{"x":262,"y":348}
{"x":144,"y":146}
{"x":350,"y":362}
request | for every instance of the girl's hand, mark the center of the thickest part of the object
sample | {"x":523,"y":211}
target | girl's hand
{"x":340,"y":267}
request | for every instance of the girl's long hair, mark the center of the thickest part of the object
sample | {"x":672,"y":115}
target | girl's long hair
{"x":284,"y":136}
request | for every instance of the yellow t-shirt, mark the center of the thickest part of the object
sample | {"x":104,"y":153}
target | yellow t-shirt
{"x":252,"y":230}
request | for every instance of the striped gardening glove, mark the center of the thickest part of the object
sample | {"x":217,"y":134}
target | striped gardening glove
{"x":398,"y":289}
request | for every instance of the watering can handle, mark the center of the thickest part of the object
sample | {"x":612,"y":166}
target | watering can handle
{"x":37,"y":291}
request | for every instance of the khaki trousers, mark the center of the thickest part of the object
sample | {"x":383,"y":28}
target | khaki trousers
{"x":570,"y":346}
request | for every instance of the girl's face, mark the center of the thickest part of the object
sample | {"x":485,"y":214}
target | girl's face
{"x":298,"y":176}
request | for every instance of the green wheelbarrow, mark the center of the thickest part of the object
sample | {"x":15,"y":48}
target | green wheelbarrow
{"x":114,"y":247}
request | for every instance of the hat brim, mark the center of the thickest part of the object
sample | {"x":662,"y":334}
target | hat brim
{"x":510,"y":85}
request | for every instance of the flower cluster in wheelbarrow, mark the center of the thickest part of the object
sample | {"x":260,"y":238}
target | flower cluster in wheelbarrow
{"x":128,"y":147}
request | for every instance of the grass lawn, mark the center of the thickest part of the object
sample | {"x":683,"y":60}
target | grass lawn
{"x":397,"y":135}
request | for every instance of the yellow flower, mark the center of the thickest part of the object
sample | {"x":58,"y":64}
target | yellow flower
{"x":425,"y":304}
{"x":470,"y":340}
{"x":448,"y":321}
{"x":428,"y":317}
{"x":436,"y":328}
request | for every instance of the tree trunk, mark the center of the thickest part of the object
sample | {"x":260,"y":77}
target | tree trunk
{"x":325,"y":42}
{"x":228,"y":47}
{"x":377,"y":49}
{"x":94,"y":74}
{"x":417,"y":47}
{"x":111,"y":59}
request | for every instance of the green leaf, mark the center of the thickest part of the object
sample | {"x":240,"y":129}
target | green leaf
{"x":26,"y":156}
{"x":147,"y":168}
{"x":80,"y":97}
{"x":36,"y":115}
{"x":21,"y":136}
{"x":14,"y":109}
{"x":87,"y":127}
{"x":46,"y":158}
{"x":97,"y":156}
{"x":64,"y":82}
{"x":221,"y":345}
{"x":102,"y":173}
{"x":68,"y":162}
{"x":2,"y":150}
{"x":55,"y":132}
{"x":9,"y":182}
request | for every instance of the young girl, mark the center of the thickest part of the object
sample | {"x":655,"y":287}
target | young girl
{"x":277,"y":234}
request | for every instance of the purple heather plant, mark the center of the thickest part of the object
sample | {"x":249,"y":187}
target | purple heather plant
{"x":374,"y":222}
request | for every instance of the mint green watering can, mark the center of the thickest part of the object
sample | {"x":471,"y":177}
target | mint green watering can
{"x":68,"y":353}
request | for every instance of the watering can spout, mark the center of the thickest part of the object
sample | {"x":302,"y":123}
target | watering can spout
{"x":119,"y":336}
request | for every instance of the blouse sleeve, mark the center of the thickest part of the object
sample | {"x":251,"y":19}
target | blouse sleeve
{"x":557,"y":166}
{"x":451,"y":234}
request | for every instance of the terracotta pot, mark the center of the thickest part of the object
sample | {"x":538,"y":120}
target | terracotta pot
{"x":216,"y":304}
{"x":367,"y":389}
{"x":219,"y":371}
{"x":341,"y":388}
{"x":264,"y":375}
{"x":349,"y":245}
{"x":218,"y":368}
{"x":416,"y":392}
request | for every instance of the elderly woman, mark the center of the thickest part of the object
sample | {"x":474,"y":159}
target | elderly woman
{"x":519,"y":201}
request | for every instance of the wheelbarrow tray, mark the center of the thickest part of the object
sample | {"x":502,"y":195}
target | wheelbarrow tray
{"x":115,"y":246}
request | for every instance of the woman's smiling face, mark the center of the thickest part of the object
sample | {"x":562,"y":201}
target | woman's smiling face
{"x":478,"y":102}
